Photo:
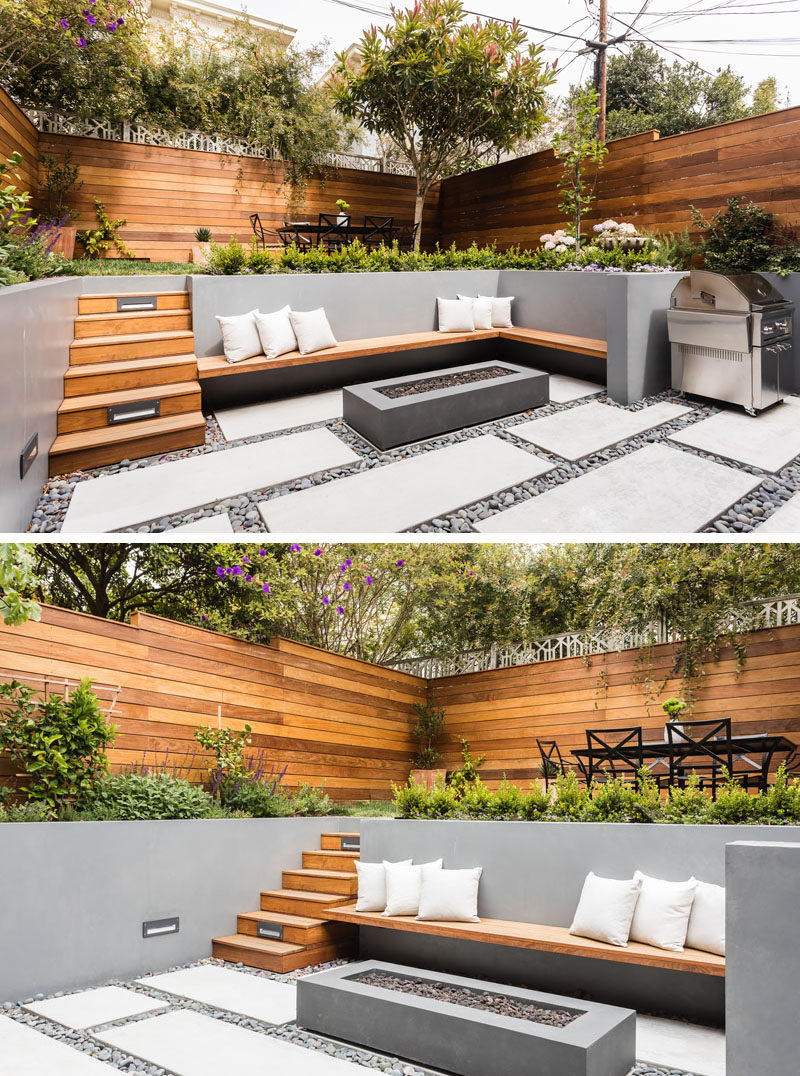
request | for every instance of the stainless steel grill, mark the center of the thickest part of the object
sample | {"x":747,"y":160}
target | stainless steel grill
{"x":731,"y":338}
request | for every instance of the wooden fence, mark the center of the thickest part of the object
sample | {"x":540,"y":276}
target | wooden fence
{"x":326,"y":717}
{"x":645,"y":179}
{"x":502,"y":712}
{"x":18,"y":133}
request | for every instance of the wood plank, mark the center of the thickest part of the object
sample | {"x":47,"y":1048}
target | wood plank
{"x":543,"y":938}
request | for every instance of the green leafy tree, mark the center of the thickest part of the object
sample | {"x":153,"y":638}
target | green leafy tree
{"x":582,"y":154}
{"x":17,"y":584}
{"x":444,"y":91}
{"x":744,"y":238}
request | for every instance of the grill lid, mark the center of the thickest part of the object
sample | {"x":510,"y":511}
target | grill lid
{"x":702,"y":290}
{"x":756,"y":289}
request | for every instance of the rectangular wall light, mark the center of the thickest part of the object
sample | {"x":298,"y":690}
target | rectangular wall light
{"x":28,"y":455}
{"x":129,"y":412}
{"x":350,"y":844}
{"x":273,"y":931}
{"x":156,"y":927}
{"x":137,"y":302}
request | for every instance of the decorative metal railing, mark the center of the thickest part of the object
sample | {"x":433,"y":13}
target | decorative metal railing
{"x":753,"y":616}
{"x":142,"y":135}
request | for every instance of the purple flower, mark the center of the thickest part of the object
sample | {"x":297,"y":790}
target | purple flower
{"x":111,"y":26}
{"x":265,"y":588}
{"x":347,"y":586}
{"x":228,"y":571}
{"x":203,"y":617}
{"x":65,"y":24}
{"x":368,"y":580}
{"x":262,"y":552}
{"x":120,"y":22}
{"x":342,"y":567}
{"x":295,"y":548}
{"x":220,"y":570}
{"x":82,"y":42}
{"x":326,"y":601}
{"x":348,"y":562}
{"x":317,"y":552}
{"x":400,"y":563}
{"x":91,"y":19}
{"x":248,"y":579}
{"x":339,"y":609}
{"x":246,"y":560}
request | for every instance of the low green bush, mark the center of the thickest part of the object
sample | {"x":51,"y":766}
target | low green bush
{"x":568,"y":800}
{"x":744,"y":238}
{"x":258,"y":799}
{"x":310,"y":801}
{"x":125,"y":797}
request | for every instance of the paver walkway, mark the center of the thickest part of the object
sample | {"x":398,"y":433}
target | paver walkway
{"x":274,"y":415}
{"x":769,"y":440}
{"x":263,"y":999}
{"x":25,"y":1052}
{"x":88,"y":1008}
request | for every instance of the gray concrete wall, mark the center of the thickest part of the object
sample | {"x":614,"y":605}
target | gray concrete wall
{"x":638,"y":342}
{"x":573,"y":303}
{"x":763,"y":962}
{"x":74,"y":895}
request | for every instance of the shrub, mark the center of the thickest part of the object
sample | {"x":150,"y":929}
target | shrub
{"x":97,"y":242}
{"x":258,"y":799}
{"x":747,"y":239}
{"x":59,"y":742}
{"x":310,"y":801}
{"x":477,"y":801}
{"x":23,"y":812}
{"x":411,"y":800}
{"x":228,"y":748}
{"x":461,"y":780}
{"x":427,"y":731}
{"x":127,"y":797}
{"x":571,"y":798}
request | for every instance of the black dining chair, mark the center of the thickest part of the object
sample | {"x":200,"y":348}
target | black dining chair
{"x":297,"y":232}
{"x":378,"y":231}
{"x":333,"y":232}
{"x":614,"y":752}
{"x":263,"y":236}
{"x":406,"y":235}
{"x":701,"y":747}
{"x":553,"y":764}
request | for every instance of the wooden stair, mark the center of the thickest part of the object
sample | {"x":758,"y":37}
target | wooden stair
{"x":129,"y":358}
{"x":291,"y":928}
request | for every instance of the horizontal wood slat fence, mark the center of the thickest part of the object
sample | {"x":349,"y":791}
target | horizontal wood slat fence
{"x":502,"y":712}
{"x":167,"y":193}
{"x":346,"y":722}
{"x":645,"y":179}
{"x":326,"y":717}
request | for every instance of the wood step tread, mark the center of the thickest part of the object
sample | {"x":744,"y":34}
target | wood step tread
{"x":306,"y":894}
{"x":319,"y":872}
{"x":126,"y":315}
{"x":149,"y":362}
{"x":261,"y":945}
{"x":108,"y":399}
{"x":304,"y":922}
{"x":126,"y":431}
{"x":128,"y":294}
{"x":330,"y":852}
{"x":131,"y":338}
{"x":340,"y":835}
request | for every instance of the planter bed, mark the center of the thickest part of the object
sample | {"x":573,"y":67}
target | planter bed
{"x":569,"y":1037}
{"x":403,"y":409}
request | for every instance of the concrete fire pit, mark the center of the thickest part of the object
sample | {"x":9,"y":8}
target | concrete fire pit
{"x":399,"y":410}
{"x":599,"y":1040}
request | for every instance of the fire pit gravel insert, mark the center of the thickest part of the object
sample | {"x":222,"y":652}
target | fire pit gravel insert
{"x":444,"y":381}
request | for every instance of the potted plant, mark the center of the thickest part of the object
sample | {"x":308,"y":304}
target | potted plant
{"x":673,"y":708}
{"x":610,"y":234}
{"x":343,"y":206}
{"x":427,"y":732}
{"x":200,"y":249}
{"x":60,"y":183}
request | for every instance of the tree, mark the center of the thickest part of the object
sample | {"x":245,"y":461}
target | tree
{"x":17,"y":582}
{"x":579,"y":149}
{"x":644,"y":92}
{"x":446,"y":93}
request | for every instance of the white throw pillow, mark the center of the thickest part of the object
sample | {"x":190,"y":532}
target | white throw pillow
{"x":276,"y":333}
{"x":240,"y":339}
{"x":481,"y":310}
{"x":312,"y":330}
{"x":372,"y":885}
{"x":662,"y":912}
{"x":707,"y":919}
{"x":450,"y":896}
{"x":606,"y":909}
{"x":501,"y":310}
{"x":455,"y":315}
{"x":404,"y":885}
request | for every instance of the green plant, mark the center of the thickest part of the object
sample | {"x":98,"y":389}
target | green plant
{"x":477,"y":801}
{"x":427,"y":732}
{"x":131,"y":796}
{"x":60,"y":182}
{"x":571,"y":799}
{"x":58,"y":742}
{"x":96,"y":243}
{"x":23,"y":812}
{"x":747,"y":239}
{"x":410,"y":800}
{"x":258,"y":799}
{"x":342,"y":205}
{"x":535,"y":804}
{"x":673,"y":708}
{"x":307,"y":800}
{"x":579,"y":148}
{"x":228,"y":747}
{"x":17,"y":579}
{"x":460,"y":780}
{"x":203,"y":235}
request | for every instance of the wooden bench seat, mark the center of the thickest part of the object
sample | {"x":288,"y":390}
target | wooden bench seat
{"x":211,"y":366}
{"x":544,"y":938}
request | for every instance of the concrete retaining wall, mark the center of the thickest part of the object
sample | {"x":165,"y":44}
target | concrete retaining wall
{"x":74,"y":895}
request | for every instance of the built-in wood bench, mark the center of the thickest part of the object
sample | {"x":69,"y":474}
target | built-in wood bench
{"x":544,"y":938}
{"x":211,"y":366}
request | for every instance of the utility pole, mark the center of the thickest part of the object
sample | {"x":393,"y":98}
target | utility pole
{"x":602,"y":70}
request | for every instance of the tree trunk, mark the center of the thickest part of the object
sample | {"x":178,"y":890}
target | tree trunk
{"x":419,"y":205}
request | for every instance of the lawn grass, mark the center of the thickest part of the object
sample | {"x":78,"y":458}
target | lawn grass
{"x":369,"y":809}
{"x":126,"y":267}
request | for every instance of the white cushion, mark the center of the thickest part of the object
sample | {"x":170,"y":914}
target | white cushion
{"x":312,"y":330}
{"x":372,"y":885}
{"x":455,"y":315}
{"x":404,"y":885}
{"x":707,"y":919}
{"x":276,"y":333}
{"x":606,"y":908}
{"x":481,"y":310}
{"x":662,"y":912}
{"x":240,"y":339}
{"x":450,"y":895}
{"x":501,"y":310}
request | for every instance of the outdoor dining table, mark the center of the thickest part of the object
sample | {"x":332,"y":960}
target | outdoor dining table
{"x":347,"y":232}
{"x":765,"y":744}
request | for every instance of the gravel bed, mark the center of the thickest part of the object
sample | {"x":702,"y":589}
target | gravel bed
{"x":88,"y":1044}
{"x":445,"y":381}
{"x":744,"y":517}
{"x":486,"y":1000}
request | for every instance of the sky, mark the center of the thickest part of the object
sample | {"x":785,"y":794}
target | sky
{"x":756,"y":37}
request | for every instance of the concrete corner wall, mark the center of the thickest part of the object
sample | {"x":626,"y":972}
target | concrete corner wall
{"x":638,"y":342}
{"x":763,"y":958}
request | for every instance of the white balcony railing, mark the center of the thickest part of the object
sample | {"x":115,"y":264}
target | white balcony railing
{"x":753,"y":616}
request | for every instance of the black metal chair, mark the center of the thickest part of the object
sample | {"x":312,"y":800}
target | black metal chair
{"x":378,"y":231}
{"x":296,"y":232}
{"x":553,"y":764}
{"x":614,"y":752}
{"x":333,"y":233}
{"x":701,"y":747}
{"x":406,"y":234}
{"x":261,"y":232}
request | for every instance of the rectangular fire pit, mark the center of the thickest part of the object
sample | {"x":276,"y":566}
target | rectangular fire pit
{"x":595,"y":1040}
{"x":410,"y":408}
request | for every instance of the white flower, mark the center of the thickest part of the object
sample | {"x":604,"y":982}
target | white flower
{"x":546,"y":238}
{"x":549,"y":245}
